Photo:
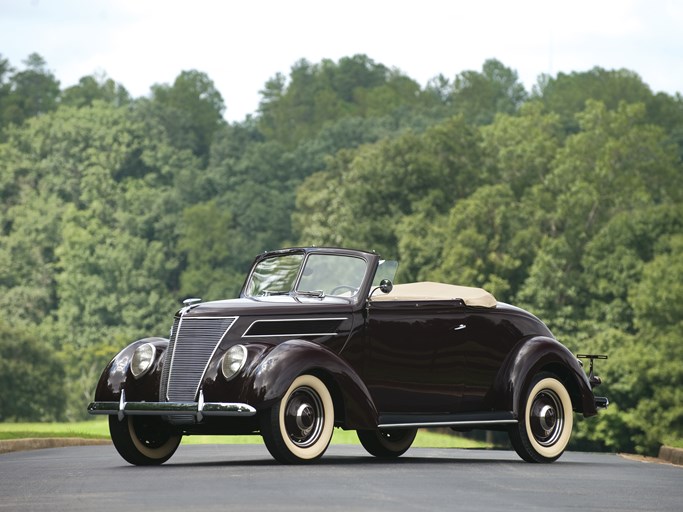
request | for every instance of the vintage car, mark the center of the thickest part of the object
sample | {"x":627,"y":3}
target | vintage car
{"x":320,"y":338}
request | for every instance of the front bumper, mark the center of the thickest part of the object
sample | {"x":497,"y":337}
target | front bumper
{"x":199,"y":408}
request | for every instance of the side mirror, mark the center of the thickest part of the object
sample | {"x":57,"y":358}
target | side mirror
{"x":385,"y":285}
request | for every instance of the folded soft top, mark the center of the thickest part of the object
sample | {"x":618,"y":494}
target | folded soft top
{"x":427,"y":290}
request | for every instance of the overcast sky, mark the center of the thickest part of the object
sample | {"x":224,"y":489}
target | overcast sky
{"x":241,"y":44}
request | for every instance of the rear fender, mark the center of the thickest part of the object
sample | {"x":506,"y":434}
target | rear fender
{"x":527,"y":359}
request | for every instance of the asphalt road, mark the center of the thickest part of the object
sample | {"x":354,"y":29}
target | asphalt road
{"x":244,"y":477}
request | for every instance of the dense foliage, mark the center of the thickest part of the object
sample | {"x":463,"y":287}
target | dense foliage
{"x":566,"y":199}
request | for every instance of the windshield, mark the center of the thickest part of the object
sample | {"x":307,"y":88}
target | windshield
{"x":274,"y":276}
{"x":321,"y":275}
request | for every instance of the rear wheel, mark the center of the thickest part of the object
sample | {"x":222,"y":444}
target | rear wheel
{"x":545,"y":422}
{"x":387,"y":444}
{"x":299,"y":427}
{"x":143,"y":440}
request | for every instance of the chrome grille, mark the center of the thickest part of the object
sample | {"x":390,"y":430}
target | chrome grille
{"x":193,"y":342}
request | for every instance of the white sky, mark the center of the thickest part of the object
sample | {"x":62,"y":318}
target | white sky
{"x":241,"y":44}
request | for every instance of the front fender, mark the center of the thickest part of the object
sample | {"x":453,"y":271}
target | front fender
{"x":288,"y":360}
{"x":117,"y":376}
{"x":527,"y":359}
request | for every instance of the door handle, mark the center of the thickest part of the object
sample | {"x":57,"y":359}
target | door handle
{"x":460,"y":327}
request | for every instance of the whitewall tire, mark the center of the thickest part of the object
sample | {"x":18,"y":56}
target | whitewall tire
{"x":545,"y":422}
{"x":298,"y":428}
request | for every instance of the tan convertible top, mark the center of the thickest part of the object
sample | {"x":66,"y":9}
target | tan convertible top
{"x":427,"y":290}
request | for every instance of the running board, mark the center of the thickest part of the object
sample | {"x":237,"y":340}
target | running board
{"x":481,"y":420}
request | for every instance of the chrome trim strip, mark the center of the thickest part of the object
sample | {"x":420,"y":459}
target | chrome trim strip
{"x":212,"y":317}
{"x":246,"y":335}
{"x":448,"y":424}
{"x":293,"y":334}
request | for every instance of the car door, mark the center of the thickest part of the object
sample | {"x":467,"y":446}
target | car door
{"x":414,"y":359}
{"x":434,"y":357}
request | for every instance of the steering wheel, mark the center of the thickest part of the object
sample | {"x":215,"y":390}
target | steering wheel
{"x":341,"y":287}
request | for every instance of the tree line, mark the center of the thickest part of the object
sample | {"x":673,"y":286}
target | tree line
{"x":565,"y":199}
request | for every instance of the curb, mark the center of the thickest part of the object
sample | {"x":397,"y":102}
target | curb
{"x":37,"y":443}
{"x":672,"y":455}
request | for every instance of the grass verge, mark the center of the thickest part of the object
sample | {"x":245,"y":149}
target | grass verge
{"x":675,"y":443}
{"x":98,"y":429}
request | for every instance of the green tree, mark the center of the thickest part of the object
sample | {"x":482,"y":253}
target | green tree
{"x":31,"y":92}
{"x":295,"y":109}
{"x":363,"y":195}
{"x":643,"y":376}
{"x":112,"y":290}
{"x":5,"y":88}
{"x":567,"y":93}
{"x":616,"y":163}
{"x":244,"y":166}
{"x":89,"y":231}
{"x":31,"y":377}
{"x":216,"y":252}
{"x":251,"y":183}
{"x":485,"y":242}
{"x":27,"y":261}
{"x":479,"y":96}
{"x":521,"y":148}
{"x":190,"y":110}
{"x":615,"y":257}
{"x":640,"y":298}
{"x":420,"y":239}
{"x":109,"y":278}
{"x":95,"y":88}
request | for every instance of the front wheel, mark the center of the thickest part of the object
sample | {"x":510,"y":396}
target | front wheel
{"x":299,"y":427}
{"x":387,"y":444}
{"x":143,"y":440}
{"x":545,"y":422}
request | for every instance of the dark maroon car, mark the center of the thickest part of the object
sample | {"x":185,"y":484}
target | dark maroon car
{"x":320,"y":338}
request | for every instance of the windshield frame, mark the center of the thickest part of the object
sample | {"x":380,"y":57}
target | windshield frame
{"x":371,"y":261}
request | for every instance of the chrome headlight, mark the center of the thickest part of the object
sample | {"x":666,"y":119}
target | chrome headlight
{"x":143,"y":359}
{"x":233,"y":361}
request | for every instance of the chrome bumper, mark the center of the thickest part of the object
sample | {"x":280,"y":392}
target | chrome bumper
{"x":199,"y":409}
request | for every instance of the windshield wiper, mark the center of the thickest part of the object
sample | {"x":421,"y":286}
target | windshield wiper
{"x":311,"y":293}
{"x":268,"y":293}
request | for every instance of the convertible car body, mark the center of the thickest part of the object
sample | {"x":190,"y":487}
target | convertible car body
{"x":320,"y":338}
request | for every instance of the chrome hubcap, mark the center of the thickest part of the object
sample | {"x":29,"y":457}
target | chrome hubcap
{"x":546,"y":417}
{"x":304,"y":417}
